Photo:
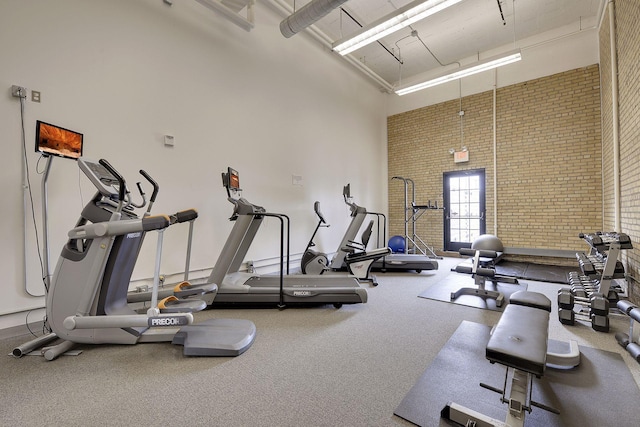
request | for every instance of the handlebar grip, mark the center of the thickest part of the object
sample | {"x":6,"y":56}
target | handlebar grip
{"x":155,"y":185}
{"x":140,"y":188}
{"x":116,"y":174}
{"x":157,"y":222}
{"x":186,"y":215}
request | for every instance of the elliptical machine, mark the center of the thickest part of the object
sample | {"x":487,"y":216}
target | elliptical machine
{"x":87,"y":298}
{"x":315,"y":262}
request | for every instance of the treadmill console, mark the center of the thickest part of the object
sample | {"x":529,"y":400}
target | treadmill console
{"x":104,"y":181}
{"x":231,"y":181}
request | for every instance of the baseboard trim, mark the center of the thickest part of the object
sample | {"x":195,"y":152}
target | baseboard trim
{"x":16,"y":331}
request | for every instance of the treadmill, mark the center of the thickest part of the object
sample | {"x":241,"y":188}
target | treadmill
{"x":391,"y":262}
{"x":236,"y":287}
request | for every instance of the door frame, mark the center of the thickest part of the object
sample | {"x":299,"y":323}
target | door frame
{"x":455,"y":246}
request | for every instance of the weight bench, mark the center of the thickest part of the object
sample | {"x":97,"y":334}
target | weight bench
{"x":519,"y":341}
{"x":480,"y":275}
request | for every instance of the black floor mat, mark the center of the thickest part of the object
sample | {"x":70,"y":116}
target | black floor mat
{"x":511,"y":269}
{"x":529,"y":271}
{"x":442,"y":290}
{"x":538,"y":272}
{"x":584,"y":395}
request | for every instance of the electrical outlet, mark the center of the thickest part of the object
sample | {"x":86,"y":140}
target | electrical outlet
{"x":18,"y":91}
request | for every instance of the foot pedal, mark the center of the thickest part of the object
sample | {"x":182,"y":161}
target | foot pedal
{"x":186,"y":289}
{"x":173,"y":304}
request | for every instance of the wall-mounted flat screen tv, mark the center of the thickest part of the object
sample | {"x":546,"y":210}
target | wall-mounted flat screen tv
{"x":57,"y":141}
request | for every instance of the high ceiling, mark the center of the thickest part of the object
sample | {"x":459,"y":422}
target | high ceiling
{"x":472,"y":28}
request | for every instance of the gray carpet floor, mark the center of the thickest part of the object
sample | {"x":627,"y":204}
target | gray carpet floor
{"x":308,"y":367}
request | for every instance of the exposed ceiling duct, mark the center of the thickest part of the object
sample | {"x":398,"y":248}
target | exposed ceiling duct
{"x":307,"y":15}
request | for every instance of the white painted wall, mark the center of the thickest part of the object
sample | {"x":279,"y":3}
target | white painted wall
{"x":127,"y":72}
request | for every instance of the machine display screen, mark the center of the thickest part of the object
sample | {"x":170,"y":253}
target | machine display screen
{"x":234,"y":179}
{"x":57,"y":141}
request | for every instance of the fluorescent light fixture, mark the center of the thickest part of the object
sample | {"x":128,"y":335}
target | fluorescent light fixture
{"x":467,"y":70}
{"x":406,"y":15}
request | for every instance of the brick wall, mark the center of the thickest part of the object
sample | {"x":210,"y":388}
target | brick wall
{"x":549,"y":160}
{"x":549,"y":176}
{"x":627,"y":33}
{"x":419,"y":143}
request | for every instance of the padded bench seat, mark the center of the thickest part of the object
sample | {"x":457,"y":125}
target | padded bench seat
{"x":519,"y":340}
{"x":531,"y":299}
{"x":363,"y":256}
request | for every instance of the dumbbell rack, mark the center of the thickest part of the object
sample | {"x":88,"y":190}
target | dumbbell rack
{"x":601,"y":265}
{"x":593,"y":288}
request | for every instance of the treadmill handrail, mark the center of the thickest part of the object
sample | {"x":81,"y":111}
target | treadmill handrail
{"x":282,"y":218}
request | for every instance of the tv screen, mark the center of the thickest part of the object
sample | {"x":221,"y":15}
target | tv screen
{"x":57,"y":141}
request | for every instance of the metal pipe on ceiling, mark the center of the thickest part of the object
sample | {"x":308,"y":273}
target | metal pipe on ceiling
{"x":307,"y":15}
{"x":285,"y":8}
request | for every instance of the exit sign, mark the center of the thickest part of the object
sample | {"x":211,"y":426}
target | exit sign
{"x":461,"y":156}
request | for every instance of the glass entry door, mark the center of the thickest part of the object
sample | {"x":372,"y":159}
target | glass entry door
{"x":464,"y":208}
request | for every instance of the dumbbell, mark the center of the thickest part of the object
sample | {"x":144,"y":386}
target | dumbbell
{"x":598,"y":305}
{"x":596,"y":302}
{"x":599,"y":323}
{"x":566,"y":301}
{"x":613,"y":296}
{"x":579,"y":291}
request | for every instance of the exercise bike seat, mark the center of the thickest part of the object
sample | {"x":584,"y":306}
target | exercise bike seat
{"x":372,"y":254}
{"x":359,"y":261}
{"x":316,"y":208}
{"x":354,"y":246}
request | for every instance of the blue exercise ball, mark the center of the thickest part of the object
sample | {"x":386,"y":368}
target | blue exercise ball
{"x":396,"y":244}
